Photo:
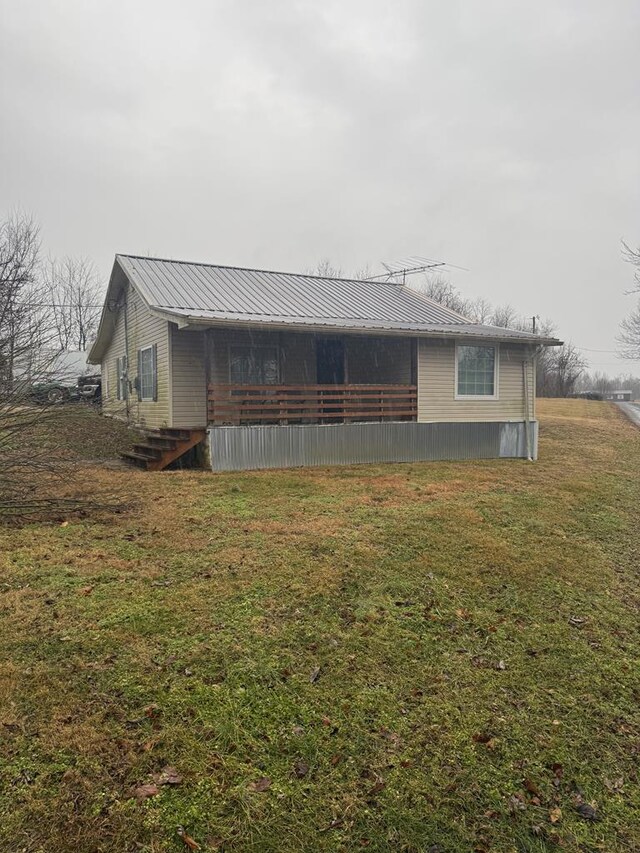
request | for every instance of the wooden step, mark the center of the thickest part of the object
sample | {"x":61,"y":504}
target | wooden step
{"x":177,"y":434}
{"x":163,"y":442}
{"x":162,"y":447}
{"x":149,"y":450}
{"x":136,"y":459}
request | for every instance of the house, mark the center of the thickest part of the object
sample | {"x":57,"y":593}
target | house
{"x":619,"y":396}
{"x":277,"y":369}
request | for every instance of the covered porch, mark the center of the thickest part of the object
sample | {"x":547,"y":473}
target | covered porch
{"x":259,"y":378}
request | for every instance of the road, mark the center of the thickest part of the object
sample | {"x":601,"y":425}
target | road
{"x":632,"y":411}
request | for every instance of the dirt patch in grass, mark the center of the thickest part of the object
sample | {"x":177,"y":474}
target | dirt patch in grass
{"x":438,"y":656}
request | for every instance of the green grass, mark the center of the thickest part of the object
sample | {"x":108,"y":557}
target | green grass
{"x":188,"y":633}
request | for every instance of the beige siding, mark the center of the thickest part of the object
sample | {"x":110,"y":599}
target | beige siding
{"x":110,"y":404}
{"x":188,"y":378}
{"x":436,"y":386}
{"x":144,"y":329}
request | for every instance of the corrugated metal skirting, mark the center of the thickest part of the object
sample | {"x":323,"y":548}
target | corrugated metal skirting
{"x":243,"y":448}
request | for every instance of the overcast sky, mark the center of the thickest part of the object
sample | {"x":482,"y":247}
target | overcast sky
{"x":501,"y":136}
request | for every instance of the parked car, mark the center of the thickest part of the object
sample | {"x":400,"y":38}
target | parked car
{"x":90,"y":387}
{"x":55,"y":392}
{"x":50,"y":392}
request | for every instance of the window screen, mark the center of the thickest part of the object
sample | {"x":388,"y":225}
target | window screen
{"x":476,"y":371}
{"x":254,"y":365}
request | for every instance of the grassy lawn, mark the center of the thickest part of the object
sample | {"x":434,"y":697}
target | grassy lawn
{"x":421,"y":657}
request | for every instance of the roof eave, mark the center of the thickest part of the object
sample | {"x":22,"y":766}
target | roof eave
{"x":197,"y":323}
{"x":117,"y":282}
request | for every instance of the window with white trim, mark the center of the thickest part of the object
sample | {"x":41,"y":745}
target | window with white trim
{"x":147,"y":379}
{"x":254,"y":365}
{"x":476,"y":372}
{"x":122,"y":390}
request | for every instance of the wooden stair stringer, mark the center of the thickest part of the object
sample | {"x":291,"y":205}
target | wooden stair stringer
{"x":158,"y":457}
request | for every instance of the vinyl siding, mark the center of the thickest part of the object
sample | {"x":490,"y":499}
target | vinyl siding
{"x":144,"y":329}
{"x":188,"y":378}
{"x":436,"y":386}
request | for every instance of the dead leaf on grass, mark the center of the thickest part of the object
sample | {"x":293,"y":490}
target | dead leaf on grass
{"x":260,"y":785}
{"x":531,"y":788}
{"x":516,"y":803}
{"x":167,"y":776}
{"x":315,"y":675}
{"x":555,"y":815}
{"x":614,"y":786}
{"x":392,"y":737}
{"x":379,"y":785}
{"x":187,"y":840}
{"x":85,"y":590}
{"x":482,"y":737}
{"x":587,"y":812}
{"x":300,"y":768}
{"x":143,"y":792}
{"x":500,"y":665}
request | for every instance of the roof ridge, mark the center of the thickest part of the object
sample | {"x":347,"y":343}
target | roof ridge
{"x":256,"y":269}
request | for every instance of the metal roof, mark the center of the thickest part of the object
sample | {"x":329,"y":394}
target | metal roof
{"x":193,"y":294}
{"x":231,"y":290}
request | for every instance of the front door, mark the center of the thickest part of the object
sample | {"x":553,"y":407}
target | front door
{"x":330,"y":361}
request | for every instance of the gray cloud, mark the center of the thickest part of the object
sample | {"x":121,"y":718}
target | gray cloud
{"x":499,"y":136}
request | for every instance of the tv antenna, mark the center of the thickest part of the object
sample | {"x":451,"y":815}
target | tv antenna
{"x":397,"y":271}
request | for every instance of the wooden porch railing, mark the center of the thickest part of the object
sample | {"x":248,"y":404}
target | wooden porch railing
{"x":275,"y":404}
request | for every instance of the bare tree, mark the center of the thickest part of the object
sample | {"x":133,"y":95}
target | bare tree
{"x":507,"y":317}
{"x":480,"y":310}
{"x":24,"y":336}
{"x":559,"y":371}
{"x":20,"y":295}
{"x":325,"y":269}
{"x":629,"y":334}
{"x":75,"y":297}
{"x":440,"y":289}
{"x":363,"y":273}
{"x":632,"y":256}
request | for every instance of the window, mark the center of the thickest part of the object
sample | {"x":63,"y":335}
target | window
{"x":122,"y":390}
{"x":147,"y":374}
{"x":476,"y":372}
{"x":258,"y":365}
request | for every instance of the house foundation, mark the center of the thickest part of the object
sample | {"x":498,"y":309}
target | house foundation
{"x":245,"y":448}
